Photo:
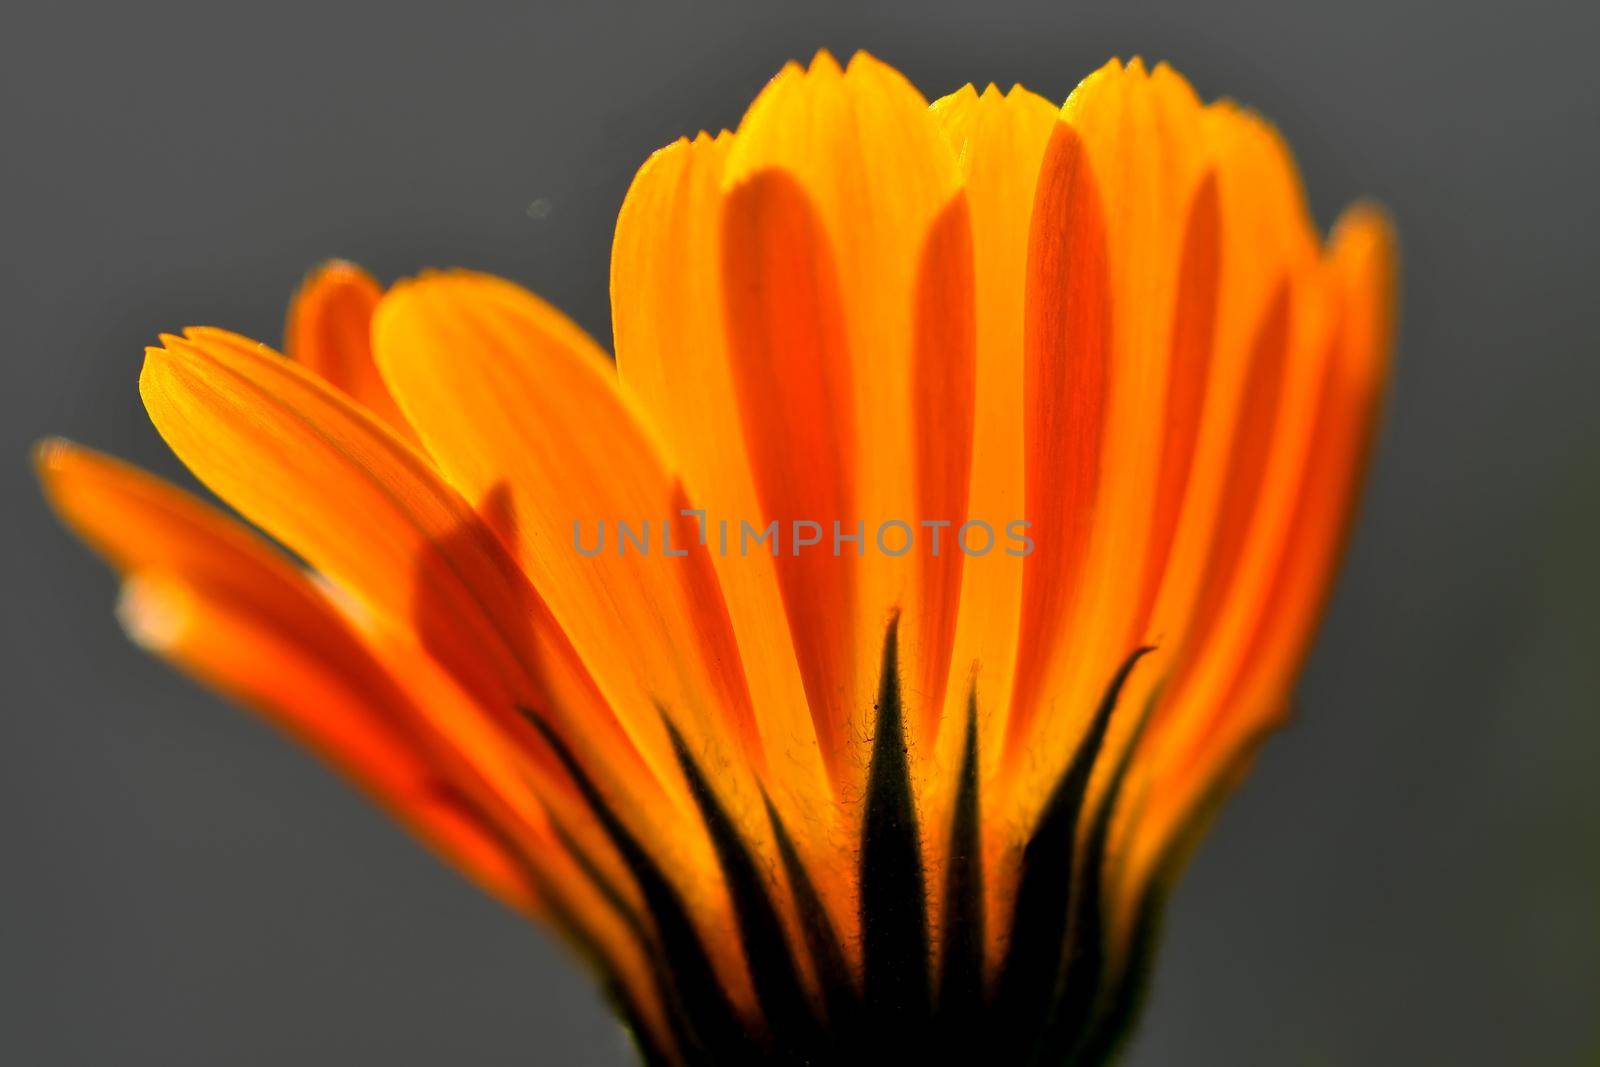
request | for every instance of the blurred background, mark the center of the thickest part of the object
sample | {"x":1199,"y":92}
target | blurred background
{"x":1412,"y":874}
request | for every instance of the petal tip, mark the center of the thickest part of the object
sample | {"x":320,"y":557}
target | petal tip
{"x":824,"y":63}
{"x":337,"y":268}
{"x":153,"y":611}
{"x":1369,"y":221}
{"x":50,"y":454}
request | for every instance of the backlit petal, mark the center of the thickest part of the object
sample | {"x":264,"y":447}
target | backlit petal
{"x":297,"y":458}
{"x":1241,"y":690}
{"x":669,"y":313}
{"x":506,"y":392}
{"x":1000,"y":140}
{"x":329,"y":330}
{"x":841,"y":183}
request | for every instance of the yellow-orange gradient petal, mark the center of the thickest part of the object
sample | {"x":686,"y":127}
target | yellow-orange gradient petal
{"x":840,"y":181}
{"x":1066,"y":371}
{"x":1132,"y":141}
{"x":1265,"y":254}
{"x":999,"y":140}
{"x":329,"y":330}
{"x":1268,"y":343}
{"x":668,"y":309}
{"x":1179,"y":335}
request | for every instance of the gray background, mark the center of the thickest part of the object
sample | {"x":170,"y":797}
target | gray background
{"x":1412,"y":874}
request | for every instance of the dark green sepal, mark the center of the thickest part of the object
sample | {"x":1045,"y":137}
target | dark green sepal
{"x":602,"y":884}
{"x":840,"y":998}
{"x":893,"y":906}
{"x":1083,"y":982}
{"x":651,"y":1054}
{"x":707,"y":1023}
{"x":1122,"y":994}
{"x":1031,"y":969}
{"x":796,"y":1033}
{"x":961,"y":993}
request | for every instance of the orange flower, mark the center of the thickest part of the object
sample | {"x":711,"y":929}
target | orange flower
{"x":973,"y":477}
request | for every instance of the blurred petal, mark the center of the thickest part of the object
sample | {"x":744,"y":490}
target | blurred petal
{"x":219,"y":603}
{"x":1241,"y":689}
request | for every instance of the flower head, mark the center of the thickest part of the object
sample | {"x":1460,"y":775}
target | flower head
{"x":848,"y":667}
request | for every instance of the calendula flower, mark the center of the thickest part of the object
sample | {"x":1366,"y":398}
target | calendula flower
{"x":847,"y":668}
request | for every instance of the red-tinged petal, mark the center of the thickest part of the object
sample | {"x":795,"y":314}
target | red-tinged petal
{"x":669,"y":312}
{"x":851,"y":169}
{"x":209,"y":596}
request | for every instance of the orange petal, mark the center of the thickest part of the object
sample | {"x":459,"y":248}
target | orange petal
{"x":1194,"y":328}
{"x":204,"y":593}
{"x":1271,"y":319}
{"x":793,"y":379}
{"x":1359,"y":273}
{"x":1236,"y":686}
{"x":1139,"y":137}
{"x":1265,"y":243}
{"x":667,"y":306}
{"x":330,"y":331}
{"x":1066,"y":370}
{"x":1360,"y":266}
